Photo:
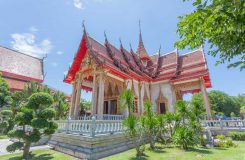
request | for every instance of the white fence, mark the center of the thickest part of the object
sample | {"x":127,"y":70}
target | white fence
{"x":104,"y":117}
{"x":90,"y":127}
{"x":232,"y":124}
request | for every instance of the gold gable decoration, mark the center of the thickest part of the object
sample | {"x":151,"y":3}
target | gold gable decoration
{"x":161,"y":97}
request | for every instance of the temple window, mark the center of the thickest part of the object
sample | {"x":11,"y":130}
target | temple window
{"x":162,"y":108}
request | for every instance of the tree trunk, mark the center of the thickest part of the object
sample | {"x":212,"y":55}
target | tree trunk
{"x":26,"y":149}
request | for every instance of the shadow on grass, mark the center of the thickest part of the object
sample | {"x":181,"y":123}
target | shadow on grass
{"x":199,"y":150}
{"x":143,"y":157}
{"x":220,"y":148}
{"x":39,"y":157}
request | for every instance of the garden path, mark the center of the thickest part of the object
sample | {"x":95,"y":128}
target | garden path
{"x":5,"y":142}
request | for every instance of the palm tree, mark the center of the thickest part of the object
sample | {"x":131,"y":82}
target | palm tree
{"x":85,"y":106}
{"x":131,"y":123}
{"x":60,"y":105}
{"x":150,"y":124}
{"x":126,"y":100}
{"x":183,"y":110}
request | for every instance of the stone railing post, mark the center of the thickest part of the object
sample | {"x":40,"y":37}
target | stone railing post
{"x":68,"y":125}
{"x":93,"y":127}
{"x":221,"y":124}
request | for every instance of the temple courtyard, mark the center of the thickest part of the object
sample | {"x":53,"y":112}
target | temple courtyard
{"x":122,"y":80}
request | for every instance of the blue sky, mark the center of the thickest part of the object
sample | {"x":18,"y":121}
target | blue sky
{"x":54,"y":27}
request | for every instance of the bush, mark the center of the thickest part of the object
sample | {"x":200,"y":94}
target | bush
{"x":15,"y":146}
{"x":238,"y":136}
{"x":184,"y":137}
{"x":224,"y":142}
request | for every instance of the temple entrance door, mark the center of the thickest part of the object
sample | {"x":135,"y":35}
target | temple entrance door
{"x":113,"y":107}
{"x":162,"y":108}
{"x":106,"y":107}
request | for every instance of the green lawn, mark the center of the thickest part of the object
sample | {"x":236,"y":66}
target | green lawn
{"x":170,"y":153}
{"x":234,"y":153}
{"x":3,"y":136}
{"x":42,"y":154}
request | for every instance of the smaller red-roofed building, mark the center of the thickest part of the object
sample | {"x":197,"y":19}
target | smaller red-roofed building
{"x":18,"y":68}
{"x":106,"y":71}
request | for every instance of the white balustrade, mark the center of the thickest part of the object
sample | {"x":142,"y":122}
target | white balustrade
{"x":104,"y":116}
{"x":235,"y":124}
{"x":91,"y":127}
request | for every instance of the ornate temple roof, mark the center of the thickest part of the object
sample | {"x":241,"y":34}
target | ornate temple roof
{"x":19,"y":68}
{"x":19,"y":65}
{"x":128,"y":65}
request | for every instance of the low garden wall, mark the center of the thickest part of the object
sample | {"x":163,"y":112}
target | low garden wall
{"x":87,"y":147}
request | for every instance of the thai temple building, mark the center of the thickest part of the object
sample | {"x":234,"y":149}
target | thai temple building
{"x":161,"y":78}
{"x":18,"y":68}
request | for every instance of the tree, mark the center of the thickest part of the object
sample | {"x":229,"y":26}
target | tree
{"x":134,"y":130}
{"x":188,"y":131}
{"x":219,"y":101}
{"x":126,"y":100}
{"x":150,"y":124}
{"x":221,"y":23}
{"x":60,"y":105}
{"x":33,"y":121}
{"x":6,"y":120}
{"x":85,"y":105}
{"x":132,"y":124}
{"x":5,"y":94}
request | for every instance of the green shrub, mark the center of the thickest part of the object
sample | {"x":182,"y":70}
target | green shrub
{"x":224,"y":142}
{"x":184,"y":137}
{"x":14,"y":146}
{"x":238,"y":136}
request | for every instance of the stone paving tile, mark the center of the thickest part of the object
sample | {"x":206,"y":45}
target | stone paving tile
{"x":5,"y":142}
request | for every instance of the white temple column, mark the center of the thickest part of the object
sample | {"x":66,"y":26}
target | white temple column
{"x":78,"y":96}
{"x":205,"y":99}
{"x":101,"y":96}
{"x":141,"y":95}
{"x":94,"y":96}
{"x":73,"y":98}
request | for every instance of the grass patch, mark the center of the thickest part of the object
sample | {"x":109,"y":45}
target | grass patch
{"x":42,"y":154}
{"x":3,"y":136}
{"x":197,"y":153}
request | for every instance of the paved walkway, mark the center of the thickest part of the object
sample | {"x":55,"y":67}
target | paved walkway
{"x":5,"y":142}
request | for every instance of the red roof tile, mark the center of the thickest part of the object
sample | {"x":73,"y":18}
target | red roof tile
{"x":169,"y":66}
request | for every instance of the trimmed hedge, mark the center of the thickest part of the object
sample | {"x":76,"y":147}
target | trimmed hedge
{"x":238,"y":136}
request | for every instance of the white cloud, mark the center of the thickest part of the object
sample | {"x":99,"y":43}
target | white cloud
{"x":33,"y":29}
{"x":54,"y":64}
{"x":65,"y":73}
{"x":59,"y":53}
{"x":78,"y":4}
{"x":26,"y":43}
